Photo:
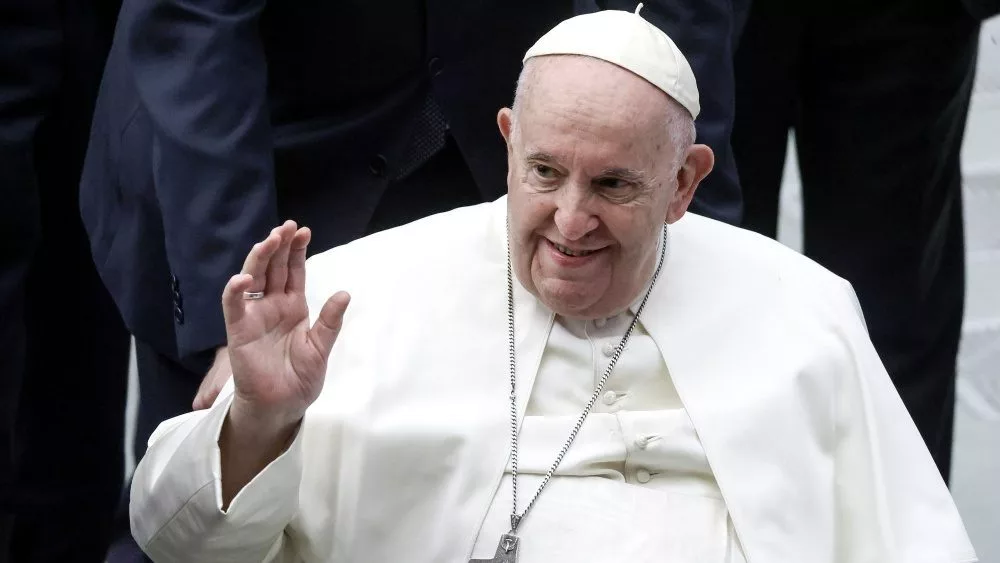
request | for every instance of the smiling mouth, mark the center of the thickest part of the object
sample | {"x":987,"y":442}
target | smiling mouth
{"x":569,"y":252}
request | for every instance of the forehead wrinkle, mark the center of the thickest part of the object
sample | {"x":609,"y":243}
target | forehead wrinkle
{"x":573,"y":127}
{"x":600,"y":83}
{"x":603,"y":118}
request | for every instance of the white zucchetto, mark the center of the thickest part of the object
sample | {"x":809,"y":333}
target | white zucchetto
{"x":625,"y":39}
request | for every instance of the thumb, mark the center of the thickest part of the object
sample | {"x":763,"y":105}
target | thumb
{"x":324,"y":331}
{"x":209,"y":390}
{"x":206,"y":395}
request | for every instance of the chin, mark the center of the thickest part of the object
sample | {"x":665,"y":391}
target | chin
{"x":572,"y":302}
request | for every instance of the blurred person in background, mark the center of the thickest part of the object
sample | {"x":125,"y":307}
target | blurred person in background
{"x":217,"y":118}
{"x":877,"y":94}
{"x":63,"y":346}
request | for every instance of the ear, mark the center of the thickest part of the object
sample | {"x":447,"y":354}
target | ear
{"x":698,"y":162}
{"x":505,"y":121}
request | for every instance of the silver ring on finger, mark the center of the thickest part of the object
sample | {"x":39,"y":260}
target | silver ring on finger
{"x":253,"y":295}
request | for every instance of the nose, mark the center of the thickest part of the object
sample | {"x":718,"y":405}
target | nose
{"x":574,"y":217}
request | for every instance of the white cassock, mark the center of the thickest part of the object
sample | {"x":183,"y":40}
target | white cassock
{"x":749,"y":419}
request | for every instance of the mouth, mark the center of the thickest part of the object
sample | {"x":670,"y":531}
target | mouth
{"x":570,"y":252}
{"x":567,"y":257}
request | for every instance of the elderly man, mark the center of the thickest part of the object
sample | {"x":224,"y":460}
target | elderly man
{"x":531,"y":380}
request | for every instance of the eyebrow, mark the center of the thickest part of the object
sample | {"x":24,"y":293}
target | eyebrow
{"x":627,"y":174}
{"x":541,"y":157}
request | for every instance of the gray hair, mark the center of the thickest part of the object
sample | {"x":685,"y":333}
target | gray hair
{"x":679,"y":123}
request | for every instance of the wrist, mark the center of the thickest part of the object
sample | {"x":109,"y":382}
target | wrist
{"x":249,"y":442}
{"x":250,"y":422}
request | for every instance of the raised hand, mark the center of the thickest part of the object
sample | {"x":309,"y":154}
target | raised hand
{"x":278,"y":360}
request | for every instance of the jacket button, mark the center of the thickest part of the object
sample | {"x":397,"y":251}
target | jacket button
{"x":377,"y":165}
{"x":179,"y":314}
{"x":435,"y":66}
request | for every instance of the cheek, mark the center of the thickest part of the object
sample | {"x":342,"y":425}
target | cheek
{"x":632,"y":230}
{"x":527,"y":218}
{"x":531,"y":210}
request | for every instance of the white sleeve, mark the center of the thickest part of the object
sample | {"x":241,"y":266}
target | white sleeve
{"x":176,"y":506}
{"x":892,"y":503}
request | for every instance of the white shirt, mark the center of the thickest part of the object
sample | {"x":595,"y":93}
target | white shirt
{"x":636,"y":485}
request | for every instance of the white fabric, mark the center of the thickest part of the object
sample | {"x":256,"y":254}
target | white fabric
{"x":629,"y":41}
{"x":635,"y":486}
{"x":402,"y":454}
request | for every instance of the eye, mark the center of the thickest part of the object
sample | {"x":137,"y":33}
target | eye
{"x":612,"y":183}
{"x":544,"y":172}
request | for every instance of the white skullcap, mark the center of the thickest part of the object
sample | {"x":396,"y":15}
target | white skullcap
{"x":629,"y":41}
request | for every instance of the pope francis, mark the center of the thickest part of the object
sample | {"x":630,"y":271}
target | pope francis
{"x":579,"y":371}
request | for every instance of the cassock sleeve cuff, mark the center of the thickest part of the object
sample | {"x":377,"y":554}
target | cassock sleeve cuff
{"x":274,"y":490}
{"x":176,"y":506}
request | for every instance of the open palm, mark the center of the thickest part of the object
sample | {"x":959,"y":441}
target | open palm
{"x":278,"y":360}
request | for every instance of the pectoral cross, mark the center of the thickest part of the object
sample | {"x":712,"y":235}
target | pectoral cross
{"x":506,"y":551}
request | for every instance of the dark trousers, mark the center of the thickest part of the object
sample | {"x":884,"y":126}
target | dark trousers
{"x":71,"y":411}
{"x":19,"y":231}
{"x":66,"y":380}
{"x":63,"y":346}
{"x":877,"y":97}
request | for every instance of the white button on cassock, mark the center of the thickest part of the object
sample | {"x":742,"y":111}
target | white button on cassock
{"x":642,"y":476}
{"x":609,"y":349}
{"x":610,"y":397}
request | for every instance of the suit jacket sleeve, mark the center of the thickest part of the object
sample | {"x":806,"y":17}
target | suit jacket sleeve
{"x":201,"y":74}
{"x":892,"y":504}
{"x":707,"y":32}
{"x":176,"y":499}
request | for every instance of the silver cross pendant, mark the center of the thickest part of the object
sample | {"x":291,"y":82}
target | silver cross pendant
{"x":506,"y":551}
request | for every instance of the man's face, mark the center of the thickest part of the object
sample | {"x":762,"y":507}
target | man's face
{"x":592,"y":176}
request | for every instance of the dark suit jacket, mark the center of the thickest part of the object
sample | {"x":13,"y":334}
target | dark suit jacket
{"x":982,"y":9}
{"x":216,"y":118}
